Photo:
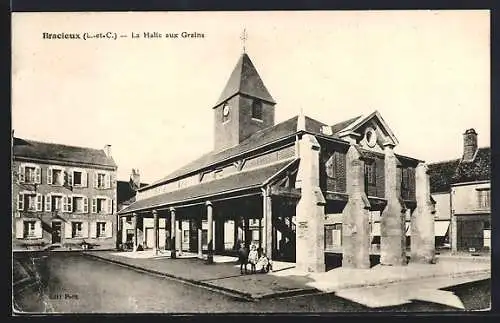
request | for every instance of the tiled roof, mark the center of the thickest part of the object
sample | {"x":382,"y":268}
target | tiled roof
{"x":476,"y":170}
{"x":44,"y":150}
{"x":245,"y":79}
{"x":440,"y":175}
{"x":444,"y":174}
{"x":260,"y":138}
{"x":341,"y":125}
{"x":249,"y":179}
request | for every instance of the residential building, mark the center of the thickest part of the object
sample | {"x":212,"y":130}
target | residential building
{"x":293,"y":180}
{"x":62,"y":195}
{"x":461,"y":189}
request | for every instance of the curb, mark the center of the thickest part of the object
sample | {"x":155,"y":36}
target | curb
{"x":222,"y":290}
{"x":287,"y":293}
{"x":392,"y":281}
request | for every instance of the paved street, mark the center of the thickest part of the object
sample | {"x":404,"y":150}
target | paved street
{"x":71,"y":283}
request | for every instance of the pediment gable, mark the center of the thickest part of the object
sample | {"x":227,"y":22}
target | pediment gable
{"x":370,"y":132}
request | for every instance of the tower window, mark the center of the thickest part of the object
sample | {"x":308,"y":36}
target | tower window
{"x":257,"y":110}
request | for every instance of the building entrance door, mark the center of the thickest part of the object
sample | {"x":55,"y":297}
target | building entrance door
{"x":56,"y":232}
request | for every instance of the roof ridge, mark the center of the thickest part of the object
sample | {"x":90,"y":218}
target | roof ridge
{"x":58,"y":144}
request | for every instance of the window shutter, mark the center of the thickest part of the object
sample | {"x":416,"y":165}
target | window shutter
{"x":109,"y":204}
{"x":70,"y":203}
{"x":49,"y":175}
{"x":21,"y":174}
{"x":65,"y":204}
{"x":48,"y":203}
{"x":70,"y":178}
{"x":108,"y":180}
{"x":85,"y":229}
{"x":38,"y":178}
{"x":39,"y":202}
{"x":93,"y":229}
{"x":94,"y":205}
{"x":19,"y":229}
{"x":85,"y":205}
{"x":38,"y":229}
{"x":108,"y":229}
{"x":84,"y":178}
{"x":95,"y":180}
{"x":67,"y":229}
{"x":20,"y":202}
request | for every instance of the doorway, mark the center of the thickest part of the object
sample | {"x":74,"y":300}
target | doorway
{"x":56,"y":232}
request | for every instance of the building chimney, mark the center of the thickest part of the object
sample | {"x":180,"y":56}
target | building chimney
{"x":470,"y":144}
{"x":135,"y":179}
{"x":107,"y":150}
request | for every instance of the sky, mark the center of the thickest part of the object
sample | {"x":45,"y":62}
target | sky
{"x":426,"y":72}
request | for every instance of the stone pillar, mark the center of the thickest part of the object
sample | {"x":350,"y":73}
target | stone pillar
{"x":210,"y":232}
{"x":135,"y":231}
{"x":392,"y":221}
{"x":453,"y":233}
{"x":267,"y":228}
{"x":155,"y":231}
{"x":173,"y":233}
{"x":247,"y":236}
{"x":310,"y":210}
{"x":422,"y":220}
{"x":179,"y":236}
{"x":199,"y":225}
{"x":355,"y":216}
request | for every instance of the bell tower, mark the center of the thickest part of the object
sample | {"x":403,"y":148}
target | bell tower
{"x":244,"y":107}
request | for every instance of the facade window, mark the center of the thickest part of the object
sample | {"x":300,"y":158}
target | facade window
{"x":257,"y":110}
{"x":101,"y":229}
{"x":487,"y":225}
{"x":185,"y":236}
{"x":80,"y":204}
{"x":29,"y":202}
{"x":55,"y":176}
{"x":101,"y":180}
{"x":331,"y":167}
{"x":77,"y":178}
{"x":29,"y":229}
{"x":53,"y":203}
{"x":370,"y":173}
{"x":29,"y":174}
{"x":76,"y":229}
{"x":483,"y":198}
{"x":102,"y":205}
{"x":333,"y":236}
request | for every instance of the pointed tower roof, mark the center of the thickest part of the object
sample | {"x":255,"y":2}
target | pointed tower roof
{"x":245,"y":80}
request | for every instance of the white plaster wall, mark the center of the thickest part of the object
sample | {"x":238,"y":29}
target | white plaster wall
{"x":465,"y":199}
{"x":443,"y":209}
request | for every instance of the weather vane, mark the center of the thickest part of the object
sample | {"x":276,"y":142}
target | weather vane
{"x":244,"y":37}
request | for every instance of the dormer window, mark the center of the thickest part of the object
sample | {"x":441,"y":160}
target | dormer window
{"x":257,"y":110}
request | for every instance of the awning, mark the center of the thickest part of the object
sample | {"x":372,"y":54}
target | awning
{"x":441,"y":228}
{"x":251,"y":179}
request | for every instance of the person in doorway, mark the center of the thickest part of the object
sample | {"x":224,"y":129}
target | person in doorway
{"x":243,"y":258}
{"x":253,"y":257}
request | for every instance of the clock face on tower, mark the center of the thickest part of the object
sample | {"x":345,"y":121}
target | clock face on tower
{"x":225,"y":110}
